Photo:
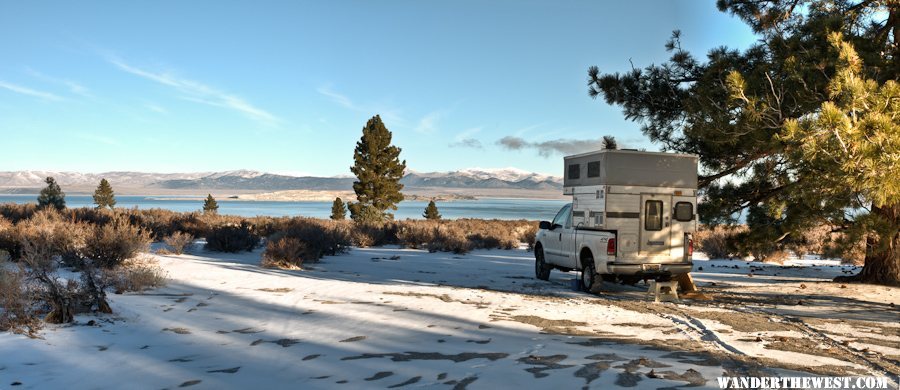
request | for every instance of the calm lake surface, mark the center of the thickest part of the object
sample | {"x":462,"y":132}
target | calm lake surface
{"x":490,"y":208}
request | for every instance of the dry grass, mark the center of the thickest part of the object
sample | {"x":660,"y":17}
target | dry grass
{"x":718,"y":242}
{"x":284,"y":252}
{"x":179,"y":242}
{"x":113,"y":243}
{"x":232,"y":238}
{"x":137,"y":274}
{"x":15,"y":301}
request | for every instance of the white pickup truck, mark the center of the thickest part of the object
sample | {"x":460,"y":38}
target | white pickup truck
{"x":632,"y":218}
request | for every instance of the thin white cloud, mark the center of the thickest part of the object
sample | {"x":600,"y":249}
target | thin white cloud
{"x":156,"y":108}
{"x":390,"y":115}
{"x":201,"y":93}
{"x":521,"y":132}
{"x":429,"y":123}
{"x":468,"y":133}
{"x":73,"y":87}
{"x":337,"y":98}
{"x":28,"y":91}
{"x":464,"y":139}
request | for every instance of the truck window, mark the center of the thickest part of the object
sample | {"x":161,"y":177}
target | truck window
{"x":684,"y":211}
{"x":562,"y":216}
{"x":594,"y":169}
{"x":653,"y":215}
{"x":574,"y":171}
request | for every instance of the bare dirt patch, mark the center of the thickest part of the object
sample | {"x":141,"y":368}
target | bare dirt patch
{"x":566,"y":327}
{"x":276,"y":290}
{"x":411,"y":356}
{"x":442,"y":297}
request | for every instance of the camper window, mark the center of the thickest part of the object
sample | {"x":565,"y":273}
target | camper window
{"x":574,"y":171}
{"x":594,"y":169}
{"x":684,"y":211}
{"x":653,"y":215}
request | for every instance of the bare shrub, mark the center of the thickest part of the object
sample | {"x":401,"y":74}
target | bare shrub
{"x":179,"y":242}
{"x":717,"y":242}
{"x":776,"y":257}
{"x":232,"y":238}
{"x":416,"y":234}
{"x":17,"y":212}
{"x":9,"y":241}
{"x":113,"y":243}
{"x":284,"y":252}
{"x":93,"y":215}
{"x":16,"y":313}
{"x":449,"y":239}
{"x":60,"y":296}
{"x":375,"y":233}
{"x":307,"y":240}
{"x":136,"y":274}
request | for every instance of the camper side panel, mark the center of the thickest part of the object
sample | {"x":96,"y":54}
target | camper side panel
{"x":622,"y":215}
{"x":589,"y":206}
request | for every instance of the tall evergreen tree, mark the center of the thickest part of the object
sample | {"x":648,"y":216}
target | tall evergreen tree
{"x":104,"y":195}
{"x":210,"y":206}
{"x":338,"y":211}
{"x":52,"y":195}
{"x":781,"y":133}
{"x":431,"y":211}
{"x":378,"y":171}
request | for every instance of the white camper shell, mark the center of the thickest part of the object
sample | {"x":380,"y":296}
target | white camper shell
{"x":632,"y":213}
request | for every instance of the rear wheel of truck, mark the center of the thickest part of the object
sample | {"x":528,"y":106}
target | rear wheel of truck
{"x":588,"y":274}
{"x":541,"y":268}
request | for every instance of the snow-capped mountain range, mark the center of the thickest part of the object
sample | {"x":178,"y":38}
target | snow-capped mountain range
{"x":253,"y":180}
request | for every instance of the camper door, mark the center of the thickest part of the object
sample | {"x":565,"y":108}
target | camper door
{"x":656,"y":225}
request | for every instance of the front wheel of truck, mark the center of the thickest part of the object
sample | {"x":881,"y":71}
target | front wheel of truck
{"x":541,"y":268}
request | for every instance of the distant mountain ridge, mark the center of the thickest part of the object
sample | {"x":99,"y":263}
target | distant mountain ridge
{"x":505,"y":178}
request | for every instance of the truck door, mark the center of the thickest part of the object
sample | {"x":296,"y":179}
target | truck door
{"x":553,"y":243}
{"x":656,"y":225}
{"x":567,"y":248}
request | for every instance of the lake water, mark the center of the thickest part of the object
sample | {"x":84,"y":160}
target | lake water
{"x":492,"y":208}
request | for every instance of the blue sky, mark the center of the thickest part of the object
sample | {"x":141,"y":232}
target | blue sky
{"x":286,"y":86}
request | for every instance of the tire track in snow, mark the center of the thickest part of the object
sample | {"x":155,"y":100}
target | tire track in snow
{"x":695,"y":330}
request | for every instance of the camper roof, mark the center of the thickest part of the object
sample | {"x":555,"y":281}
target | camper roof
{"x":630,"y":168}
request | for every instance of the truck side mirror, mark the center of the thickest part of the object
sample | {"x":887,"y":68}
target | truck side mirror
{"x":545,"y":225}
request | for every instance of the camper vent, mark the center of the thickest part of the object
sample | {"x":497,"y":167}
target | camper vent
{"x":598,"y":217}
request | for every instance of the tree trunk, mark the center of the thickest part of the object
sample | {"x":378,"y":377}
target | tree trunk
{"x":882,"y":258}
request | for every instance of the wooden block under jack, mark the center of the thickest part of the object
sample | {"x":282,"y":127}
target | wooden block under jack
{"x":686,"y":283}
{"x":689,"y":289}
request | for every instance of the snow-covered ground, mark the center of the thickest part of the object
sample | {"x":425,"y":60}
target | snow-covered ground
{"x":390,"y":317}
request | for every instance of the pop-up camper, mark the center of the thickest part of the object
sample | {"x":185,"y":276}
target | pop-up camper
{"x":632,"y":214}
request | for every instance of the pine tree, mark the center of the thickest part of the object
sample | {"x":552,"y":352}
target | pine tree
{"x":104,"y":195}
{"x":378,"y":171}
{"x":52,"y":195}
{"x":431,"y":211}
{"x":338,"y":211}
{"x":758,"y":120}
{"x":609,"y":142}
{"x":210,"y":206}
